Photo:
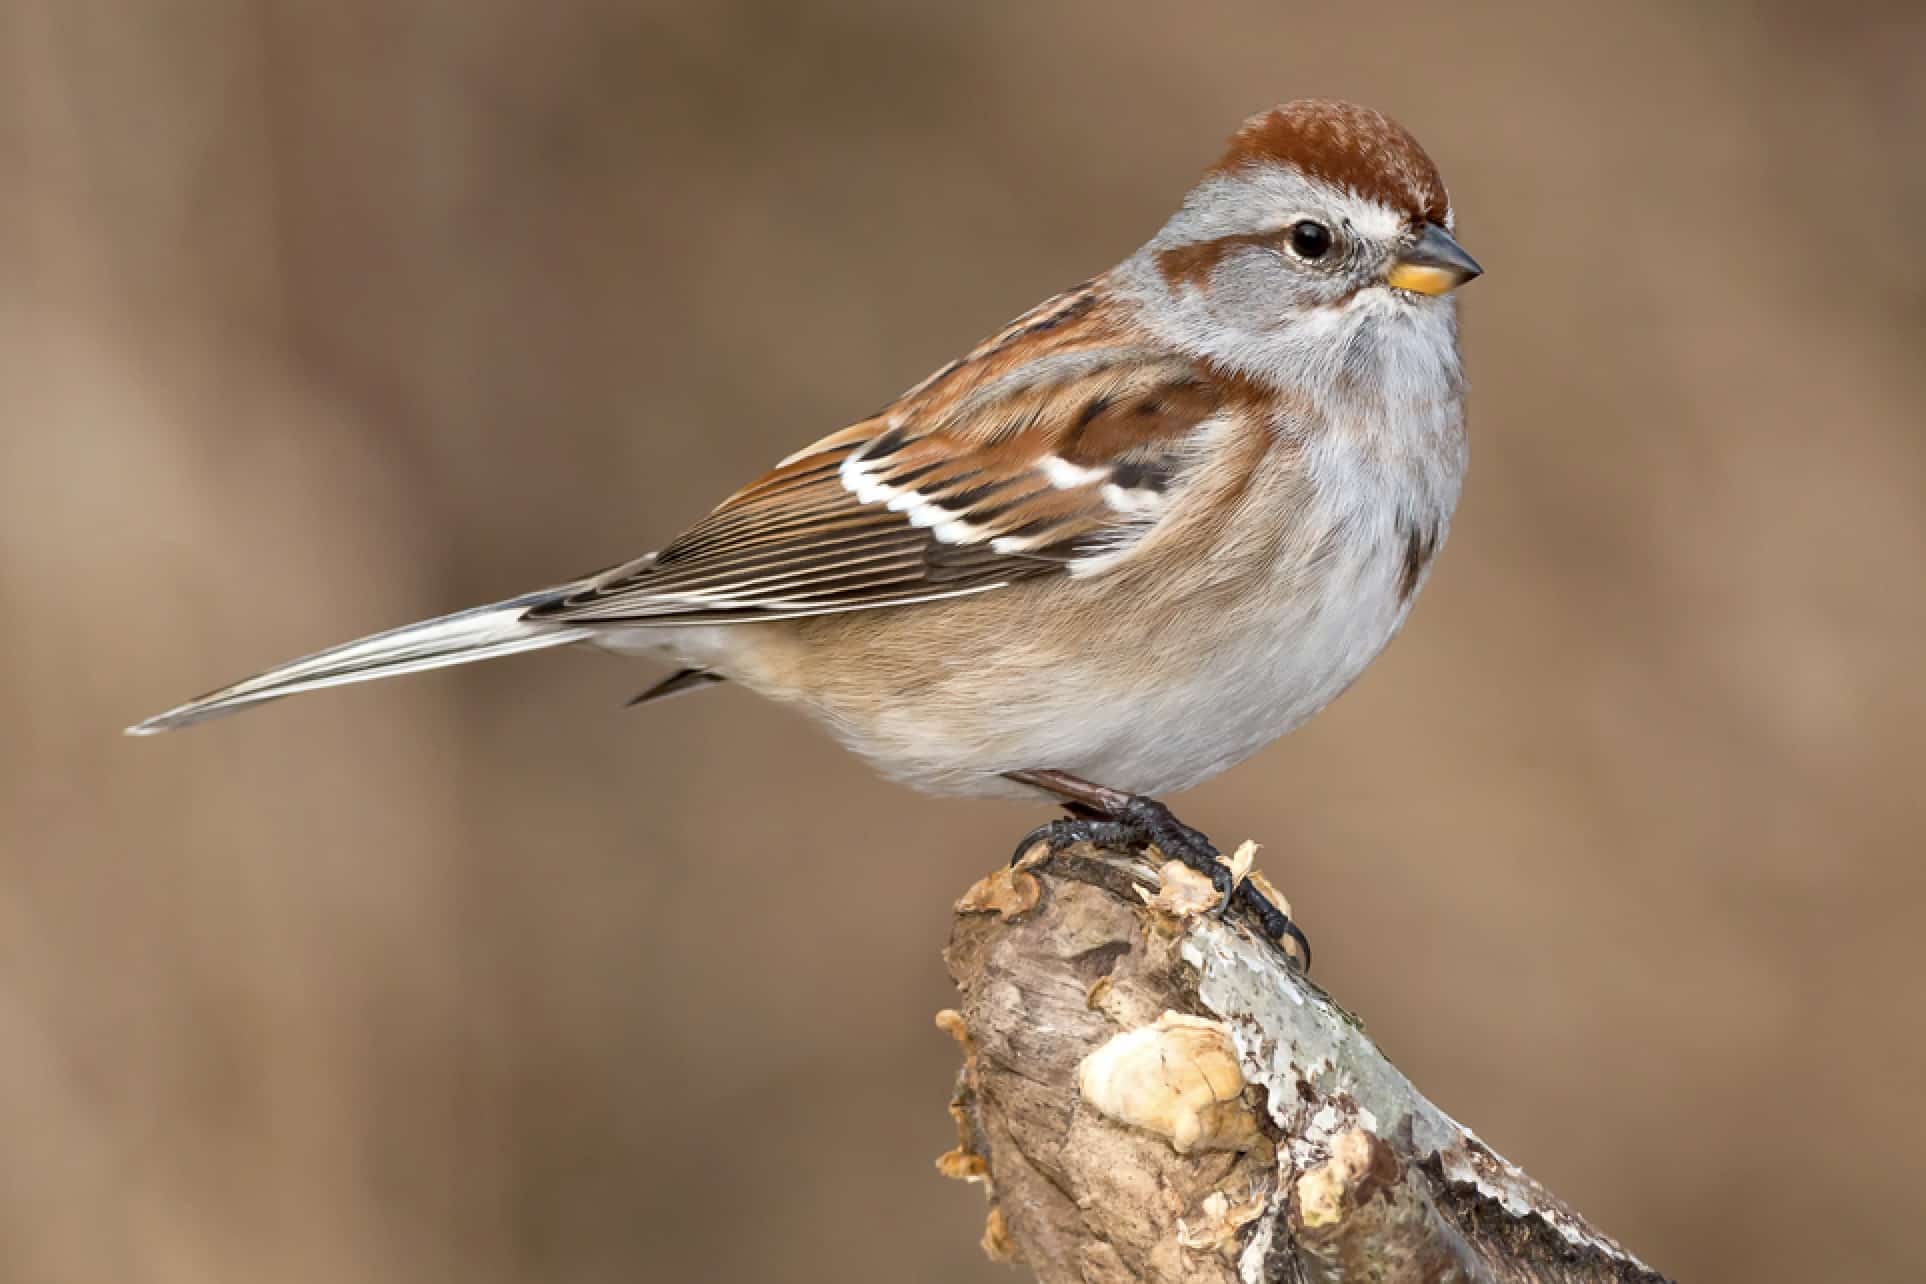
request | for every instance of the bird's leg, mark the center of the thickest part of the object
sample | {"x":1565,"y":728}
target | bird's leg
{"x":1109,"y":817}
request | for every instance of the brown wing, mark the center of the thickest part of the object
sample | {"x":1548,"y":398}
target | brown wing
{"x":1056,"y":441}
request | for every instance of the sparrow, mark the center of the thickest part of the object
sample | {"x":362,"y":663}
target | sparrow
{"x":1145,"y":529}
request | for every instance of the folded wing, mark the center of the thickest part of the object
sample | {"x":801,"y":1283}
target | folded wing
{"x":1048,"y":450}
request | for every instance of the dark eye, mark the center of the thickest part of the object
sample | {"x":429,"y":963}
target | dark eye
{"x":1310,"y":240}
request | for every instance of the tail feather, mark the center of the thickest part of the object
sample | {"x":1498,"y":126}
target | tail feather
{"x":480,"y":633}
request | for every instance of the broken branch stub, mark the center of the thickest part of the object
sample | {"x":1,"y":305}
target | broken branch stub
{"x":1151,"y":1093}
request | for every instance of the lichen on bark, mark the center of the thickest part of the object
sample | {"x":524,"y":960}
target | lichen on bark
{"x":1153,"y":1093}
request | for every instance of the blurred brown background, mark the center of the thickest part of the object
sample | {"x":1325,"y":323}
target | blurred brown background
{"x":318,"y":318}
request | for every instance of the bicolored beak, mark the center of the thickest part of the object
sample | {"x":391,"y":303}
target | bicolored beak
{"x":1432,"y":264}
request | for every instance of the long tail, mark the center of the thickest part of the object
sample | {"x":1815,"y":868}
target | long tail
{"x":481,"y":633}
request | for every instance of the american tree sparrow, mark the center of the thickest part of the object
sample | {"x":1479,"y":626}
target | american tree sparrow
{"x":1142,"y":531}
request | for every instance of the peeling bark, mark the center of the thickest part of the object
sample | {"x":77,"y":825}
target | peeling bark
{"x":1150,"y":1093}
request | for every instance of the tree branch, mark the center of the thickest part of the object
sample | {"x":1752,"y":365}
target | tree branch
{"x":1152,"y":1093}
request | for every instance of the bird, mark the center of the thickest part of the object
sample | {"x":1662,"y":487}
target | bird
{"x":1145,"y":529}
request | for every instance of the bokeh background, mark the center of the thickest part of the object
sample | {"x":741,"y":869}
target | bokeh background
{"x":319,"y":318}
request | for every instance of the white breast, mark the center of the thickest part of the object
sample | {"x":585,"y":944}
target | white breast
{"x":1216,"y":693}
{"x":1293,"y":651}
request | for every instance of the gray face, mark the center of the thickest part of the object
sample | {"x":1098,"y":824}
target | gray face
{"x":1305,"y":244}
{"x":1237,"y":276}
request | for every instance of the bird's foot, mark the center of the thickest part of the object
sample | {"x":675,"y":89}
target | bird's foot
{"x":1136,"y":823}
{"x":1060,"y":835}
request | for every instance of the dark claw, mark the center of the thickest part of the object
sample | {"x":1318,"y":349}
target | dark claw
{"x":1275,"y":922}
{"x":1145,"y":822}
{"x":1066,"y":832}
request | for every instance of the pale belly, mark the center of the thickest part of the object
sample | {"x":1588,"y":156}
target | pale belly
{"x":948,"y":697}
{"x":1168,"y":736}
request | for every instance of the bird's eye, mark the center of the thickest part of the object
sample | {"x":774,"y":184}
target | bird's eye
{"x":1310,"y":240}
